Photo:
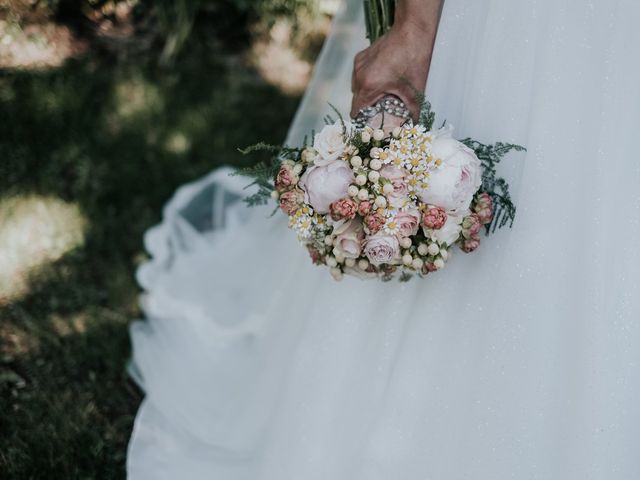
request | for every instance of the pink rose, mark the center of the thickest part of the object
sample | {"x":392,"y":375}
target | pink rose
{"x":484,"y":208}
{"x":364,"y":208}
{"x":469,"y":245}
{"x":471,"y":227}
{"x":408,"y":222}
{"x":434,"y":218}
{"x":285,"y":178}
{"x":326,"y":184}
{"x":349,"y":238}
{"x":290,"y":201}
{"x":398,"y":198}
{"x":374,"y":222}
{"x":381,"y":248}
{"x":343,"y":208}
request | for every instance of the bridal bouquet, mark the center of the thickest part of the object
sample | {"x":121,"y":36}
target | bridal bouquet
{"x":381,"y":202}
{"x":378,"y":204}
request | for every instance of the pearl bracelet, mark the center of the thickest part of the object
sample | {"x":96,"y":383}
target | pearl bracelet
{"x":389,"y":104}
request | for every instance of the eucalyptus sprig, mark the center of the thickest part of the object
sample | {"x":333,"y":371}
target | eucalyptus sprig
{"x":490,"y":156}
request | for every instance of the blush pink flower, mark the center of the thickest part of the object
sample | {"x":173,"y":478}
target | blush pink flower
{"x":471,"y":227}
{"x":429,"y":267}
{"x":349,"y":237}
{"x":364,"y":207}
{"x":290,"y":201}
{"x":343,"y":208}
{"x":469,"y":245}
{"x":374,"y":222}
{"x":398,"y":197}
{"x":382,"y":249}
{"x":434,"y":218}
{"x":484,"y":208}
{"x":408,"y":222}
{"x":285,"y":178}
{"x":324,"y":185}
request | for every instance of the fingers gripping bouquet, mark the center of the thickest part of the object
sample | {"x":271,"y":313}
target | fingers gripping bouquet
{"x":379,"y":204}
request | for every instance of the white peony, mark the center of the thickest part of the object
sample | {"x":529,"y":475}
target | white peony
{"x":453,"y":185}
{"x":326,"y":184}
{"x":450,"y":231}
{"x":330,"y":143}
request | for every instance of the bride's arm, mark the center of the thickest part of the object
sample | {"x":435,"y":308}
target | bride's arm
{"x":399,"y":58}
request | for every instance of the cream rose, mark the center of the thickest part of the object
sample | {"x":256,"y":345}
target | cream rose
{"x":330,"y":143}
{"x":324,"y":185}
{"x":382,"y":248}
{"x":349,"y":238}
{"x":408,"y":222}
{"x":453,"y":185}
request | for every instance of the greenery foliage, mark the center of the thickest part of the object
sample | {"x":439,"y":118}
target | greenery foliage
{"x":490,"y":156}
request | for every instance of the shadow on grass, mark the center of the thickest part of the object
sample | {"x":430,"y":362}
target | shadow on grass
{"x":116,"y":140}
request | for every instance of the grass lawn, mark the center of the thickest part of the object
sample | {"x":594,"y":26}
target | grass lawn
{"x":89,"y":153}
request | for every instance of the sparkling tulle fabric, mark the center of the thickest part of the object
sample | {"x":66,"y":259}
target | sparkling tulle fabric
{"x":520,"y":361}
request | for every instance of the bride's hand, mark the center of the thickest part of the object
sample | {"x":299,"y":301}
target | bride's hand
{"x":398,"y":62}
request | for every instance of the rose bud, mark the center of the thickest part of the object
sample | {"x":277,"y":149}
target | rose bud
{"x":484,"y":208}
{"x":471,"y":226}
{"x":434,"y":218}
{"x":286,"y":178}
{"x":290,"y":201}
{"x":469,"y":245}
{"x":343,"y":208}
{"x":364,"y":208}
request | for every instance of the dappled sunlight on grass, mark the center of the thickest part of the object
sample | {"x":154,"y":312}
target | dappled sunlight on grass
{"x":37,"y":46}
{"x":284,"y":57}
{"x":136,"y":98}
{"x":34,"y":231}
{"x":177,"y":142}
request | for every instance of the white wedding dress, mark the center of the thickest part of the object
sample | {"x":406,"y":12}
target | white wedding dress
{"x":520,"y":361}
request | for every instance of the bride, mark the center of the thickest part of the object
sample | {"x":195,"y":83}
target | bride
{"x":520,"y":361}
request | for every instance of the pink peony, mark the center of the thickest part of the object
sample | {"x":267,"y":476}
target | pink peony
{"x":364,"y":207}
{"x":484,"y":208}
{"x":374,"y":222}
{"x":382,"y":248}
{"x":349,"y":237}
{"x":471,"y":227}
{"x":285,"y":178}
{"x":469,"y":245}
{"x":326,"y":184}
{"x":452,"y":185}
{"x":290,"y":201}
{"x":434,"y":218}
{"x":343,"y":208}
{"x":408,"y":222}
